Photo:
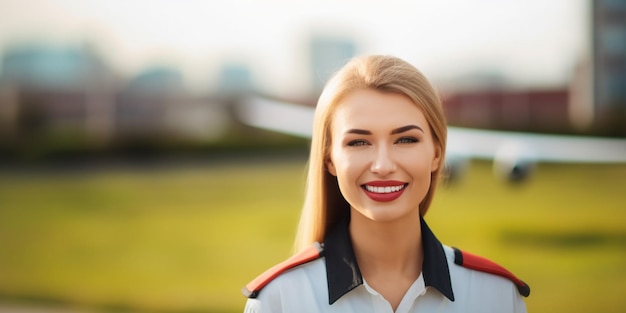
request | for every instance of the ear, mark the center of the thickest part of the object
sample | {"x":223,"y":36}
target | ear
{"x":436,"y":159}
{"x":331,"y":167}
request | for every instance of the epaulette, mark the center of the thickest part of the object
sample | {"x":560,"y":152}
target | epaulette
{"x":478,"y":263}
{"x":252,"y":289}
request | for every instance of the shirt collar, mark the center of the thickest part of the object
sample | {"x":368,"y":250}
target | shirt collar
{"x":342,"y":270}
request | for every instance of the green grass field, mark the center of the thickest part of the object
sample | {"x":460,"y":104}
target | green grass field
{"x":186,"y":239}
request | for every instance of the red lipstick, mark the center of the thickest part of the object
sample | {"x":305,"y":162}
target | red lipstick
{"x":384,"y":190}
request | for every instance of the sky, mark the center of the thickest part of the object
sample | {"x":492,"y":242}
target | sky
{"x":531,"y":43}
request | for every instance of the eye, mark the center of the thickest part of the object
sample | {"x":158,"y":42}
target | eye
{"x":356,"y":143}
{"x":407,"y":140}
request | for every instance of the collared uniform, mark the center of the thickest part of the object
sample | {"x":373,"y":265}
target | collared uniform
{"x":330,"y":281}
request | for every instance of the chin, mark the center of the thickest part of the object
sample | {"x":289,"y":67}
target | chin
{"x":383,"y":215}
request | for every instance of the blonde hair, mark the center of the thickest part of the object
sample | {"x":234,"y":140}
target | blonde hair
{"x":324,"y":205}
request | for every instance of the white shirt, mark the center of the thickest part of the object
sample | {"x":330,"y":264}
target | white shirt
{"x":333,"y":283}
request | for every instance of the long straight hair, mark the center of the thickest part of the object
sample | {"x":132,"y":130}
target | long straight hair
{"x":324,"y":204}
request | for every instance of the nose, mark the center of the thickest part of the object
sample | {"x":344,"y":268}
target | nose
{"x":383,"y":163}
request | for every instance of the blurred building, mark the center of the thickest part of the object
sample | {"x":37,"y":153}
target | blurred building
{"x":608,"y":28}
{"x":594,"y":102}
{"x":142,"y":103}
{"x":235,"y":79}
{"x":64,"y":100}
{"x":46,"y":89}
{"x":505,"y":109}
{"x":155,"y":108}
{"x":328,"y":54}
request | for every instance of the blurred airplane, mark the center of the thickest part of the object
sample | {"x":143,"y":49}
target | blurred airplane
{"x":514,"y":154}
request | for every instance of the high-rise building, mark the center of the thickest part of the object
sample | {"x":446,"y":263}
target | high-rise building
{"x":608,"y":30}
{"x":329,"y":54}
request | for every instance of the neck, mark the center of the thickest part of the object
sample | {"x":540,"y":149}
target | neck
{"x":387,"y":247}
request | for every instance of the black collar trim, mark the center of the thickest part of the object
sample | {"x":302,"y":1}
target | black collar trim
{"x":342,"y":270}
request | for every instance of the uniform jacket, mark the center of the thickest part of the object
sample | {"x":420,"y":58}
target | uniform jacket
{"x":326,"y":278}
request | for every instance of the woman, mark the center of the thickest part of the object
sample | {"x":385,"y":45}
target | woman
{"x":377,"y":152}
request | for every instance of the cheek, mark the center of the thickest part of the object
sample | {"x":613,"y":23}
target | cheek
{"x":419,"y":166}
{"x":348,"y":168}
{"x":344,"y":167}
{"x":350,"y":163}
{"x":338,"y":158}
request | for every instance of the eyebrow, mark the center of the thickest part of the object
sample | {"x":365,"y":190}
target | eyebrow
{"x":393,"y":132}
{"x":406,"y":128}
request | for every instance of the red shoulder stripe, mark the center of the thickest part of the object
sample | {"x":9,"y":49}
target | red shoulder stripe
{"x":478,"y":263}
{"x":252,"y":289}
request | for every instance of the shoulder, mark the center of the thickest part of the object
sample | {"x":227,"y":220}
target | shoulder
{"x":252,"y":289}
{"x":477,"y":263}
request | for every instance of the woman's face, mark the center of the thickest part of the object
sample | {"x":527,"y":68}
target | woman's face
{"x":382,"y":154}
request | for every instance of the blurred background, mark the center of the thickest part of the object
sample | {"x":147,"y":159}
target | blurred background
{"x":128,"y":182}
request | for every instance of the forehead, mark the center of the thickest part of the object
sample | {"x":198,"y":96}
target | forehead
{"x":371,"y":110}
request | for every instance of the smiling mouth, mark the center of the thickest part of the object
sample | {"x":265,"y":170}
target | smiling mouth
{"x":384,"y":189}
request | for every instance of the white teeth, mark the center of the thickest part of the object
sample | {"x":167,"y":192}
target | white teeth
{"x":384,"y":189}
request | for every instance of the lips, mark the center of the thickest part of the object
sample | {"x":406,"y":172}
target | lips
{"x":384,"y":190}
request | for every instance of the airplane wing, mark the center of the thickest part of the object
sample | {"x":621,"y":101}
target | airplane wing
{"x":513,"y":153}
{"x":487,"y":144}
{"x":277,"y":116}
